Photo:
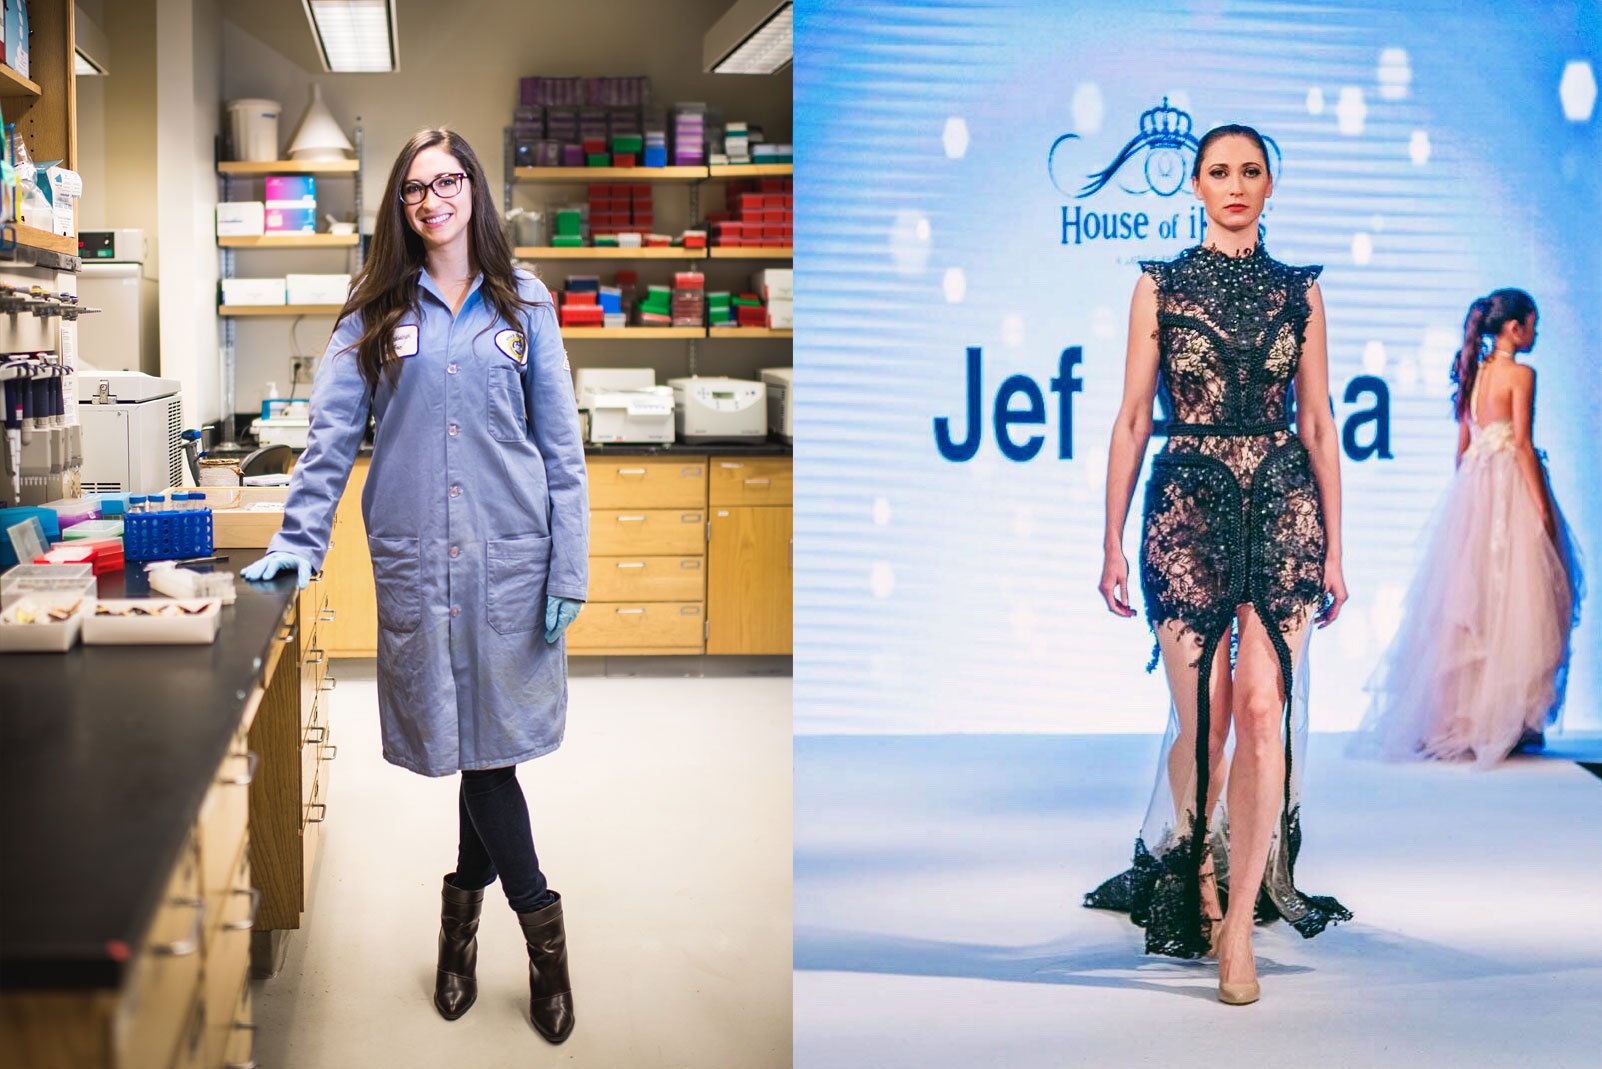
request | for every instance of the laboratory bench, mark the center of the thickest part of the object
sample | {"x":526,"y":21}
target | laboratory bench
{"x":157,"y":828}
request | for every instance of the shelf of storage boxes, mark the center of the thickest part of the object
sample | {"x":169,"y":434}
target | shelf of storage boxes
{"x":285,"y":219}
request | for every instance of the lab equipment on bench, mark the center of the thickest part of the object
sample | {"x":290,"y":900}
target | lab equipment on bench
{"x":168,"y":578}
{"x":718,"y":409}
{"x":642,"y":415}
{"x":132,"y":439}
{"x":780,"y":382}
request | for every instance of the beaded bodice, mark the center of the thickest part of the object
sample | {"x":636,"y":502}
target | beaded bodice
{"x":1230,"y":335}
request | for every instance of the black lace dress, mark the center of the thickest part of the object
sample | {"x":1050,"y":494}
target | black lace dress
{"x":1232,"y":517}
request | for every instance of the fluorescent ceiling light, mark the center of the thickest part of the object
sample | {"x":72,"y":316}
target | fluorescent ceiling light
{"x":354,"y":36}
{"x":751,"y":38}
{"x":82,"y":65}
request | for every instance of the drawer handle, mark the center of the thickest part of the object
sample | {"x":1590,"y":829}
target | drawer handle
{"x":631,"y":519}
{"x":330,"y":682}
{"x":321,"y":655}
{"x":631,"y":471}
{"x":326,"y":615}
{"x":255,"y":904}
{"x":320,"y":738}
{"x":287,"y":636}
{"x":629,"y":612}
{"x":758,"y":482}
{"x":330,"y":751}
{"x":252,"y":759}
{"x":730,"y":464}
{"x":185,"y":947}
{"x":689,"y":564}
{"x":242,"y":1065}
{"x":690,"y":473}
{"x":631,"y":564}
{"x":319,"y":819}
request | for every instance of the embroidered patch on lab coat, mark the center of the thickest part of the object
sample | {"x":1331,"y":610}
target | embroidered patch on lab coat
{"x":511,"y":343}
{"x":405,"y":340}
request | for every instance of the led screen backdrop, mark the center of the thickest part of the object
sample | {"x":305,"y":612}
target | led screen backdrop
{"x":979,"y":180}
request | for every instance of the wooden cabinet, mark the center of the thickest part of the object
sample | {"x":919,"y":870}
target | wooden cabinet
{"x":647,"y":557}
{"x":688,"y":555}
{"x":348,"y":570}
{"x":749,"y":595}
{"x":288,"y":797}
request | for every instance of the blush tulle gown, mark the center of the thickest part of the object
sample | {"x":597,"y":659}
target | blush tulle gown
{"x":1482,"y":653}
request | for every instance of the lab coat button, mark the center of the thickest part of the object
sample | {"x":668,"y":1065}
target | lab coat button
{"x":456,"y":551}
{"x":453,"y":430}
{"x":456,"y":491}
{"x":456,"y":610}
{"x":450,"y":369}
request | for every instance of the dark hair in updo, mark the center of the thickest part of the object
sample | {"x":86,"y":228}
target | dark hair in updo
{"x":1231,"y":130}
{"x":1486,"y":318}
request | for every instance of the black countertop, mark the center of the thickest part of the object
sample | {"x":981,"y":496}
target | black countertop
{"x":773,"y":447}
{"x":106,"y":753}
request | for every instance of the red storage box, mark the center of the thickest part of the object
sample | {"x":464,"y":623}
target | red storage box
{"x":571,"y":299}
{"x":622,"y":159}
{"x":772,"y":185}
{"x":692,"y":280}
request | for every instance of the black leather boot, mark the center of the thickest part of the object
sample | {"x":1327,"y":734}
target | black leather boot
{"x":550,"y":995}
{"x":456,"y":983}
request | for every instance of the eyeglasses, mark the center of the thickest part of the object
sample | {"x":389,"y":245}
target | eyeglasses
{"x":446,"y":185}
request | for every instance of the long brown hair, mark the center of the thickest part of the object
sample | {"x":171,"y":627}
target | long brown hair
{"x":386,"y":289}
{"x":1486,"y":318}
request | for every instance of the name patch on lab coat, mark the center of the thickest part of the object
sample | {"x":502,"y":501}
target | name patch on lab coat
{"x":405,"y":340}
{"x":511,"y":343}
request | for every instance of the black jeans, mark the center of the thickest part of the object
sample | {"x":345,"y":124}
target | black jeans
{"x":495,"y":839}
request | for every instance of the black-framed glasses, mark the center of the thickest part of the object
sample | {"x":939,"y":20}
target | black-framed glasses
{"x":446,"y":185}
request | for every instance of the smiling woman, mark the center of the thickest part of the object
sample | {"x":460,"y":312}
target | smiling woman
{"x":476,"y":507}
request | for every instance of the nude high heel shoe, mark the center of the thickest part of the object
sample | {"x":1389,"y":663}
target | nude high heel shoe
{"x":1234,"y":994}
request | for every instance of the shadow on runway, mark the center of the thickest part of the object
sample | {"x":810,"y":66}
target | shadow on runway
{"x":1381,"y":957}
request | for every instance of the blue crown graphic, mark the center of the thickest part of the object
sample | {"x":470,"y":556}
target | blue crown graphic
{"x":1164,"y":121}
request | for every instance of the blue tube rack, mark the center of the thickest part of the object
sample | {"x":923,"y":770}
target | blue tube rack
{"x":167,"y":535}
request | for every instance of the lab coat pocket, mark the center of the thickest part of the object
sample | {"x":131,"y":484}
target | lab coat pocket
{"x":396,"y":574}
{"x":506,"y":418}
{"x":515,"y":572}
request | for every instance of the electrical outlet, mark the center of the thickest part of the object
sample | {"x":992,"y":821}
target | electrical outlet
{"x":296,"y":369}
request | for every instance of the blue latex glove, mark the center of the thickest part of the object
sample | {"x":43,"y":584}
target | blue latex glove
{"x":273,"y":563}
{"x":559,"y":612}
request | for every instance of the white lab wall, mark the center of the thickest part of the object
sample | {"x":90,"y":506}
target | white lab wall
{"x":188,"y":84}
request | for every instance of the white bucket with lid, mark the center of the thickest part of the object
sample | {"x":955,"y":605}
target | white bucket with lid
{"x":254,"y":125}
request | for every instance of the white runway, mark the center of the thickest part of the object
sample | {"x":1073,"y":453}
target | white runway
{"x":937,"y":889}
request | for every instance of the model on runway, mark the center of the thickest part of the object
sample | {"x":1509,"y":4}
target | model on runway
{"x":1240,"y":553}
{"x":1480,"y":661}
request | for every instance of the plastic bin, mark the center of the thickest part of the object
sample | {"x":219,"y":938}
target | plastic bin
{"x":67,"y":580}
{"x":254,"y":125}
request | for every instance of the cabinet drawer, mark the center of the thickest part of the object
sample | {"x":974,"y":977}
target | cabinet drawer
{"x":749,"y":482}
{"x":223,"y":817}
{"x":228,"y":965}
{"x":311,"y":752}
{"x":313,"y":670}
{"x":315,"y":813}
{"x":647,"y":482}
{"x":647,"y":578}
{"x":191,"y":1052}
{"x":680,"y":532}
{"x":609,"y":625}
{"x":161,"y":989}
{"x":241,"y":1046}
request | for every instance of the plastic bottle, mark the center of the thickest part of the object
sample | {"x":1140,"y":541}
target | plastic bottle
{"x":158,"y":503}
{"x":136,"y":503}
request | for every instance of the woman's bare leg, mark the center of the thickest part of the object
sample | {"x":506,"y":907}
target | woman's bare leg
{"x":1180,"y":650}
{"x":1257,"y":785}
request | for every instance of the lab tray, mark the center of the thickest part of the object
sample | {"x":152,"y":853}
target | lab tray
{"x":140,"y":628}
{"x":48,"y":637}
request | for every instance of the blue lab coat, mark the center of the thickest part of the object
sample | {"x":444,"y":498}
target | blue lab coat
{"x":476,"y":506}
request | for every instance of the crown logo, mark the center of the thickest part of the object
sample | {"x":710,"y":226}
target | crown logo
{"x":1164,"y":122}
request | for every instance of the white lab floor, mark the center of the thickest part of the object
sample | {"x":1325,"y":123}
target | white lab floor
{"x":938,"y":923}
{"x":664,"y":820}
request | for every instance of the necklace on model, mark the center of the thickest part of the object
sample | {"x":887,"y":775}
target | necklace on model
{"x":1240,"y":254}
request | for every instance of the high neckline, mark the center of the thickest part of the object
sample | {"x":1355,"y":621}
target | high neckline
{"x":1256,"y":252}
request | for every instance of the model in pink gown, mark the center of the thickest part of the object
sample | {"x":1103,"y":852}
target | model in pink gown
{"x":1481,"y":658}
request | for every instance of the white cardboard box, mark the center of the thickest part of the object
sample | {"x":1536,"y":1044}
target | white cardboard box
{"x":775,"y":283}
{"x":241,"y":218}
{"x":781,"y":314}
{"x":317,"y":289}
{"x":253,"y":291}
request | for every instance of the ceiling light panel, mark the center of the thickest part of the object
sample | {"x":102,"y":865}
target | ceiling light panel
{"x":354,"y":36}
{"x":766,"y":51}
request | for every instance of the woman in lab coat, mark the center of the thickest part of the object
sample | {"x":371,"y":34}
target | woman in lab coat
{"x":476,"y":511}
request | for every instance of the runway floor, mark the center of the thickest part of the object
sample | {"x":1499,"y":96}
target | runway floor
{"x":937,"y":889}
